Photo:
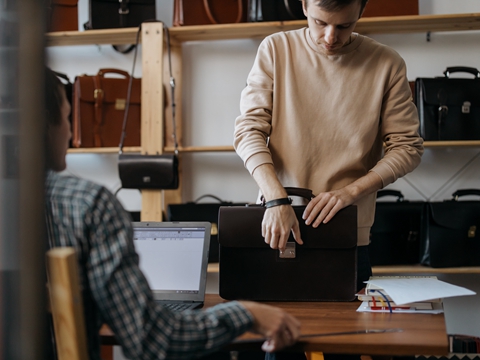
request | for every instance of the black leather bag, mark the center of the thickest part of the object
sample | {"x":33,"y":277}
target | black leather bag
{"x":107,"y":14}
{"x":449,"y":108}
{"x":451,"y":232}
{"x":275,"y":10}
{"x":395,"y":234}
{"x":201,"y":211}
{"x":324,"y":268}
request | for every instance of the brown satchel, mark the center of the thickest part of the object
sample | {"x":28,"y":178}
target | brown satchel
{"x":62,"y":15}
{"x":99,"y":107}
{"x":203,"y":12}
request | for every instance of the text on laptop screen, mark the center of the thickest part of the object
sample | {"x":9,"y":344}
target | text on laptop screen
{"x":171,"y":259}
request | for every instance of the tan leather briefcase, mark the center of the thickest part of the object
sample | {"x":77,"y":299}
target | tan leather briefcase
{"x":99,"y":108}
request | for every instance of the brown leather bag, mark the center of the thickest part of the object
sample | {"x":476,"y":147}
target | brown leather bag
{"x":390,"y":8}
{"x":99,"y":107}
{"x":62,"y":15}
{"x":203,"y":12}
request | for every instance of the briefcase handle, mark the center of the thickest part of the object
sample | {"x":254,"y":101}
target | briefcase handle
{"x":395,"y":193}
{"x":454,"y":69}
{"x":103,"y":72}
{"x":295,"y":191}
{"x":464,"y":192}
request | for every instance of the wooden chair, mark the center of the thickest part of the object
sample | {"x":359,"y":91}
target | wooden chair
{"x":66,"y":304}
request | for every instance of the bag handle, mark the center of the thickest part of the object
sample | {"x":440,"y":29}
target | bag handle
{"x":289,"y":10}
{"x":395,"y":193}
{"x":208,"y":196}
{"x":464,"y":192}
{"x":454,"y":69}
{"x":212,"y":19}
{"x":294,"y":191}
{"x":102,"y":72}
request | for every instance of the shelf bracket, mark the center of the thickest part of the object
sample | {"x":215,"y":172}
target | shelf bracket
{"x":429,"y":35}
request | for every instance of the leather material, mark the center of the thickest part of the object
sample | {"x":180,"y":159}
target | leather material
{"x":97,"y":116}
{"x":107,"y":14}
{"x":204,"y":12}
{"x":138,"y":171}
{"x":448,"y":108}
{"x":452,"y":232}
{"x":324,"y":267}
{"x":395,"y":234}
{"x":390,"y":8}
{"x":62,"y":15}
{"x":275,"y":10}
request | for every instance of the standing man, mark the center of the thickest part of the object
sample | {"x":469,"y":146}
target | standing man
{"x":330,"y":110}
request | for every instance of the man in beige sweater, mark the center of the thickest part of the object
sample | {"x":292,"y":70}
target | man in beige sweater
{"x":319,"y":105}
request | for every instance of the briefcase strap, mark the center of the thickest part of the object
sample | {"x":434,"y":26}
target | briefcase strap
{"x":98,"y":96}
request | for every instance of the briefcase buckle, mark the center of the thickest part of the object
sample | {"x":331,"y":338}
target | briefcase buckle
{"x":289,"y":252}
{"x":466,"y":107}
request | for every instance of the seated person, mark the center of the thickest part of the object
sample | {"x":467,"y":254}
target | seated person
{"x":89,"y":218}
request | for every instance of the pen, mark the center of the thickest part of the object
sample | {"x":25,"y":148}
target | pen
{"x":392,"y":308}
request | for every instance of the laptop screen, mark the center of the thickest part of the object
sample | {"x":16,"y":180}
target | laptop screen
{"x":174,"y":258}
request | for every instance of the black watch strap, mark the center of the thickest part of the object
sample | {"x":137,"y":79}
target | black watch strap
{"x":278,"y":202}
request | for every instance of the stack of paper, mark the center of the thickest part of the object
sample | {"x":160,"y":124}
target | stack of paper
{"x":407,"y":294}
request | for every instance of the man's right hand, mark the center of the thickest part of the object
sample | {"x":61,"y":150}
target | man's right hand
{"x":280,"y":328}
{"x":277,"y":224}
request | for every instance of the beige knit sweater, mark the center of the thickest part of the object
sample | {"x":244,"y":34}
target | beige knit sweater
{"x":327,"y":117}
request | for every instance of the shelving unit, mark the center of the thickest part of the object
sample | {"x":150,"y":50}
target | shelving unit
{"x":154,"y":74}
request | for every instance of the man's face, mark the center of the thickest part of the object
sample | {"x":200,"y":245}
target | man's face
{"x":331,"y":30}
{"x":58,"y":137}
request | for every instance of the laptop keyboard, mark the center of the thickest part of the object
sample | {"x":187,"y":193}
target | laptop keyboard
{"x":177,"y":307}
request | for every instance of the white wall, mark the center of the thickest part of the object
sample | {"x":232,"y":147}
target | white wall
{"x":214,"y":74}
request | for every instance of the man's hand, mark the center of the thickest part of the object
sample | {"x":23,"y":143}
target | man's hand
{"x":277,"y":223}
{"x":280,"y":328}
{"x":325,"y":205}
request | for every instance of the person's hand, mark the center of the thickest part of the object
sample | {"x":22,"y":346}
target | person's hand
{"x":324,"y":206}
{"x":277,"y":223}
{"x":280,"y":328}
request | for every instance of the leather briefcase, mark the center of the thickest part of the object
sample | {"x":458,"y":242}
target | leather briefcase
{"x":107,"y":14}
{"x":204,"y":12}
{"x":324,"y":268}
{"x":62,"y":15}
{"x":275,"y":10}
{"x":201,"y":211}
{"x":395,"y":234}
{"x":451,"y":232}
{"x":99,"y":107}
{"x":390,"y":8}
{"x":449,"y":108}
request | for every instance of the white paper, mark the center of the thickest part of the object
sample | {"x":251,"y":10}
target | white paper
{"x":437,"y":309}
{"x":408,"y":290}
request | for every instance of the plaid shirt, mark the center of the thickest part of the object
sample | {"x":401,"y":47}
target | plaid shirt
{"x":88,"y":217}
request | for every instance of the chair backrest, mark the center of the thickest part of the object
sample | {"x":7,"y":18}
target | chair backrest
{"x":66,"y":304}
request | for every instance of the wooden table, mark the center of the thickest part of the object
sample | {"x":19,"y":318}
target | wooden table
{"x":423,"y":334}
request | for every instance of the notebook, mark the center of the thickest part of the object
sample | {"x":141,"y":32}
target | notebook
{"x":174,"y":259}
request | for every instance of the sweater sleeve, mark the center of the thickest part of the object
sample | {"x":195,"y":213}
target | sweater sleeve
{"x":253,"y":126}
{"x":399,"y":130}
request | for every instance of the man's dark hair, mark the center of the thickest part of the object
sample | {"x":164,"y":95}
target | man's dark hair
{"x":54,"y":95}
{"x":335,"y":5}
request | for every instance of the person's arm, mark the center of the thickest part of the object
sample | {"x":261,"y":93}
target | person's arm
{"x":143,"y":327}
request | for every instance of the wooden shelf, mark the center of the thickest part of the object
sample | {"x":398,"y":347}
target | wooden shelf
{"x":464,"y":143}
{"x":399,"y":269}
{"x":372,"y":25}
{"x":103,"y":150}
{"x":191,"y":149}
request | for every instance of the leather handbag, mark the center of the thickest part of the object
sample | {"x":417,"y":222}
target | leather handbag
{"x":390,"y":8}
{"x":451,"y":232}
{"x":201,"y":211}
{"x":62,"y":15}
{"x":449,"y":108}
{"x":395,"y":234}
{"x":148,"y":171}
{"x":204,"y":12}
{"x":275,"y":10}
{"x":99,"y":106}
{"x":107,"y":14}
{"x":324,"y":268}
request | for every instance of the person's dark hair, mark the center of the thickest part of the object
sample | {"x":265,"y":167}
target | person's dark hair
{"x":54,"y":89}
{"x":335,"y":5}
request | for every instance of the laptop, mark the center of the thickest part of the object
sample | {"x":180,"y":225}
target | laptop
{"x":174,"y":259}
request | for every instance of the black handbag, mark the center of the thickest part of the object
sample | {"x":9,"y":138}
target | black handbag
{"x":324,"y":268}
{"x":201,"y":211}
{"x":274,"y":10}
{"x":449,"y":108}
{"x":395,"y":234}
{"x":138,"y":171}
{"x":107,"y":14}
{"x":451,"y":232}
